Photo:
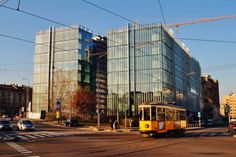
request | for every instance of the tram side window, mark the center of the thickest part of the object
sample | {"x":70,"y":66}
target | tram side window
{"x":169,"y":114}
{"x":154,"y":113}
{"x":182,"y":115}
{"x":161,"y":114}
{"x":177,"y":115}
{"x":174,"y":114}
{"x":146,"y":113}
{"x":140,"y":113}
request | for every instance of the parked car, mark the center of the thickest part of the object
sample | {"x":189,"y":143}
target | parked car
{"x":210,"y":123}
{"x":71,"y":122}
{"x":25,"y":124}
{"x":5,"y":116}
{"x":232,"y":127}
{"x":5,"y":124}
{"x":220,"y":122}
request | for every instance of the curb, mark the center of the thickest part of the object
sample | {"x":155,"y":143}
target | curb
{"x":194,"y":128}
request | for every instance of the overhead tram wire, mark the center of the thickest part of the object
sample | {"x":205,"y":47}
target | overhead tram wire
{"x":3,"y":2}
{"x":49,"y":20}
{"x":113,"y":13}
{"x":16,"y":38}
{"x":210,"y":69}
{"x":59,"y":23}
{"x":9,"y":64}
{"x":162,"y":13}
{"x":206,"y":40}
{"x":18,"y":70}
{"x":37,"y":16}
{"x":219,"y":68}
{"x":43,"y":44}
{"x":62,"y":24}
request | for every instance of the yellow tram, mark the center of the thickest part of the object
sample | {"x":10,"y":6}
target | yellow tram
{"x":158,"y":118}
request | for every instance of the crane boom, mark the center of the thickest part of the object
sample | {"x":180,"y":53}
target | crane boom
{"x":202,"y":20}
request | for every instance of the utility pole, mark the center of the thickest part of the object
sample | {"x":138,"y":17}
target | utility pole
{"x":117,"y":105}
{"x":228,"y":109}
{"x":27,"y":94}
{"x":18,"y":6}
{"x":98,"y":107}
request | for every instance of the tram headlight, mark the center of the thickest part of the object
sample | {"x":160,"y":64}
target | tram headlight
{"x":146,"y":126}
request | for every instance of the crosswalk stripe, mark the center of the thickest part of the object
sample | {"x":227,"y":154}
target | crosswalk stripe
{"x":38,"y":135}
{"x":20,"y":149}
{"x":47,"y":135}
{"x":212,"y":134}
{"x":22,"y":137}
{"x":194,"y":134}
{"x":204,"y":134}
{"x":30,"y":136}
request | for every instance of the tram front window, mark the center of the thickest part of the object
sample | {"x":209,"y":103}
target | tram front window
{"x":146,"y":111}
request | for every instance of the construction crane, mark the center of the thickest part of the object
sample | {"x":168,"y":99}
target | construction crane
{"x":202,"y":20}
{"x":177,"y":25}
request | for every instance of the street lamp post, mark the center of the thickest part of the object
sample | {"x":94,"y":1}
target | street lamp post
{"x":27,"y":107}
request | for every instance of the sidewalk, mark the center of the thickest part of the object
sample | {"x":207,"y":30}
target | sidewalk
{"x":194,"y":128}
{"x":104,"y":127}
{"x":93,"y":127}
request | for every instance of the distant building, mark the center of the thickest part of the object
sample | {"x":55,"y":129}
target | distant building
{"x":13,"y":99}
{"x":210,"y":98}
{"x":231,"y":101}
{"x":66,"y":59}
{"x":146,"y":63}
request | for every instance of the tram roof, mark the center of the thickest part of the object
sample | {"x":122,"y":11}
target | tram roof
{"x":161,"y":104}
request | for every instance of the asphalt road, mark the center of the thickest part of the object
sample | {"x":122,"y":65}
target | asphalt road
{"x":51,"y":141}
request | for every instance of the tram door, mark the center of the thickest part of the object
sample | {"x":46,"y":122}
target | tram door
{"x":154,"y":118}
{"x":161,"y":118}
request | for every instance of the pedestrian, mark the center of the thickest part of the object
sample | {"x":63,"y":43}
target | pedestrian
{"x":111,"y":123}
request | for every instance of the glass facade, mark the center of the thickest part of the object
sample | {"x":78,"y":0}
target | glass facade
{"x":145,"y":63}
{"x":61,"y":63}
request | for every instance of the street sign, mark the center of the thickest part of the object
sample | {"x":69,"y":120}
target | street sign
{"x":57,"y":114}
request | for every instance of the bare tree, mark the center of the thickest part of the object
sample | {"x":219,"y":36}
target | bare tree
{"x":84,"y":101}
{"x":63,"y":90}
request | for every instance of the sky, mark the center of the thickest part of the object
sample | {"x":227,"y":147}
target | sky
{"x":217,"y":59}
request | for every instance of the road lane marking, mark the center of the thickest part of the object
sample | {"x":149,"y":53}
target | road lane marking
{"x":20,"y":149}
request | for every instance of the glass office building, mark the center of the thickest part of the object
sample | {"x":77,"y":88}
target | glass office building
{"x":62,"y":63}
{"x":146,"y":63}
